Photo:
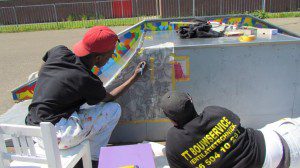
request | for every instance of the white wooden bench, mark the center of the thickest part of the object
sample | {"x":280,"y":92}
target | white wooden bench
{"x":29,"y":155}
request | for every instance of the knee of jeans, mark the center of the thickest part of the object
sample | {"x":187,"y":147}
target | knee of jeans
{"x":116,"y":110}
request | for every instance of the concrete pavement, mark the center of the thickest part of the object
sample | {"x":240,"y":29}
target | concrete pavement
{"x":290,"y":24}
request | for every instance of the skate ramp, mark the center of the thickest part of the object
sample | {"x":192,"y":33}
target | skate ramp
{"x":257,"y":80}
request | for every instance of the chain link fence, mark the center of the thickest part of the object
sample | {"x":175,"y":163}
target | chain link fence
{"x":60,"y":12}
{"x":99,"y":10}
{"x":184,"y":8}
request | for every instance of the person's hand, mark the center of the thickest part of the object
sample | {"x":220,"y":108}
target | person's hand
{"x":140,"y":69}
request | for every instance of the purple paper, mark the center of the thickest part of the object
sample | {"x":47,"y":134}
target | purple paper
{"x":140,"y":155}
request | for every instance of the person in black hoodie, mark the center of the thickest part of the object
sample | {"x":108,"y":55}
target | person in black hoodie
{"x":215,"y":138}
{"x":70,"y":96}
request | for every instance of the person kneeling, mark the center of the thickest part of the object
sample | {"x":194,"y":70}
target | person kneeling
{"x":215,"y":138}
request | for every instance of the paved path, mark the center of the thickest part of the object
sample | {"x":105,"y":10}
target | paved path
{"x":290,"y":24}
{"x":21,"y":53}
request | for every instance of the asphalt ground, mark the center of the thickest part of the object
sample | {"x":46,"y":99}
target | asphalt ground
{"x":21,"y":53}
{"x":290,"y":24}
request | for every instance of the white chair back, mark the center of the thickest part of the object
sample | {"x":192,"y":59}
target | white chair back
{"x":24,"y":146}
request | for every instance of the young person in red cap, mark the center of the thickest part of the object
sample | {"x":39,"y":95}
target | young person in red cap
{"x":216,"y":139}
{"x":66,"y":82}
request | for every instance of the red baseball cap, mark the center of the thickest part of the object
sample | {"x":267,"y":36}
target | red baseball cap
{"x":98,"y":39}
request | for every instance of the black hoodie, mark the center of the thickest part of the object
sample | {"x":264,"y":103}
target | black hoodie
{"x":215,"y":139}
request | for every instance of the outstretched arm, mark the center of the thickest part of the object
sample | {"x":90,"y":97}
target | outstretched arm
{"x":114,"y":94}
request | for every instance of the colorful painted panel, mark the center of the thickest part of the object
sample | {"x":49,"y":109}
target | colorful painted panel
{"x":127,"y":42}
{"x":240,"y":21}
{"x":24,"y":92}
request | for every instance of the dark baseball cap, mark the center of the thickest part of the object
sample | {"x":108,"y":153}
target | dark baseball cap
{"x":178,"y":107}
